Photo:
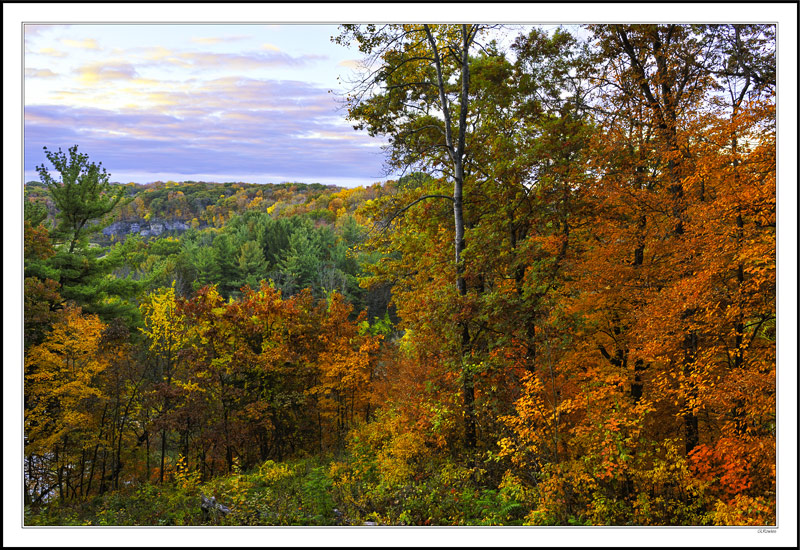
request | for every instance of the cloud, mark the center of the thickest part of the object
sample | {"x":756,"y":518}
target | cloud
{"x":205,"y":60}
{"x":271,"y":47}
{"x":326,"y":134}
{"x":217,"y":39}
{"x":87,"y":44}
{"x":50,"y":52}
{"x":152,"y":83}
{"x":106,"y":71}
{"x":230,"y":126}
{"x":270,"y":58}
{"x":351,"y":64}
{"x":155,"y":53}
{"x":36,"y":30}
{"x":39,"y":73}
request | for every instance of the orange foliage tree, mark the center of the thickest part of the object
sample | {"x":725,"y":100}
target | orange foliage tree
{"x":668,"y":296}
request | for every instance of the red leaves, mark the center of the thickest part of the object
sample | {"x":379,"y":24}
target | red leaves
{"x":725,"y":465}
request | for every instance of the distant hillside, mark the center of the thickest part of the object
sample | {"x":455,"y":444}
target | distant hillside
{"x":173,"y":207}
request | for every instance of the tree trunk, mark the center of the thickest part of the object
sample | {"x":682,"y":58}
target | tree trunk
{"x":147,"y":454}
{"x":83,"y":467}
{"x":692,"y":432}
{"x":456,"y":153}
{"x":59,"y":476}
{"x":163,"y":452}
{"x":96,"y":447}
{"x":103,"y":472}
{"x":166,"y":408}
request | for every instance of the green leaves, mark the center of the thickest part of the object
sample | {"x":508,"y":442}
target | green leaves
{"x":83,"y":195}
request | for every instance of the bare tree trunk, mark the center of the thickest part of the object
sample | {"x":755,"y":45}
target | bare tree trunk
{"x":692,"y":432}
{"x":59,"y":476}
{"x":103,"y":472}
{"x":147,"y":454}
{"x":161,"y":463}
{"x":456,"y":153}
{"x":94,"y":454}
{"x":163,"y":430}
{"x":83,"y":467}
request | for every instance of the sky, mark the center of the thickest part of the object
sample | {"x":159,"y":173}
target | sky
{"x":207,"y":102}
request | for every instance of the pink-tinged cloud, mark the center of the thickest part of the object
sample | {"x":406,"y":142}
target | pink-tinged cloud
{"x":36,"y":30}
{"x":228,"y":126}
{"x":205,"y":60}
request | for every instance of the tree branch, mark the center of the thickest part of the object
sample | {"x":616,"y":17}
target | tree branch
{"x":402,"y":210}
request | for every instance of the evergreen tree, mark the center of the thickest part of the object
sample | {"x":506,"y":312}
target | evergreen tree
{"x":252,"y":265}
{"x":83,"y":198}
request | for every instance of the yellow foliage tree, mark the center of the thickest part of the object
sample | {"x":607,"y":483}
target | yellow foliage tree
{"x":166,"y":333}
{"x":62,"y":381}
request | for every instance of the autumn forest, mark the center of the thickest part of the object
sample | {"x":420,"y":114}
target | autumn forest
{"x":562,"y":313}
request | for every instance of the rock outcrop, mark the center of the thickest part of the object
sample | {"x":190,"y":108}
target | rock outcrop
{"x":152,"y":228}
{"x":212,"y":510}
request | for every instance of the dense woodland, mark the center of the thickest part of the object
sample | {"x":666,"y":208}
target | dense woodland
{"x":563,"y":314}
